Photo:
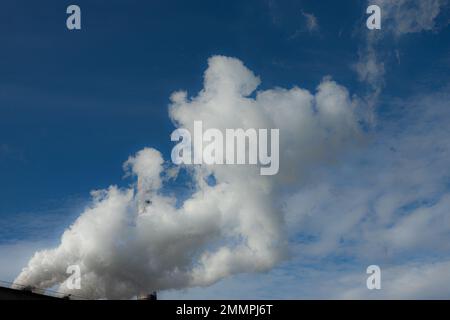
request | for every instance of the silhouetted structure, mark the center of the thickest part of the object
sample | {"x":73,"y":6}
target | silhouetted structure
{"x":23,"y":294}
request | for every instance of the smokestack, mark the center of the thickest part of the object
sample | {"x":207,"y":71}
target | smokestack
{"x":152,"y":296}
{"x":28,"y":289}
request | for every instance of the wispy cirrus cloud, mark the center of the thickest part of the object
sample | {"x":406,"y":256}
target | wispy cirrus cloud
{"x":311,"y":21}
{"x":398,"y":18}
{"x":387,"y":205}
{"x":410,"y":16}
{"x":8,"y":152}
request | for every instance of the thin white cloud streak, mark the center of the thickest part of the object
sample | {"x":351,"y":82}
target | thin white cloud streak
{"x":409,"y":16}
{"x":311,"y":21}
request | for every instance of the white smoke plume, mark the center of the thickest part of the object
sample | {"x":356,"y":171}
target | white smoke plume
{"x":136,"y":240}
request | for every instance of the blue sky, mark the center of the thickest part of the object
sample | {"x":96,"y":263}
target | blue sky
{"x":75,"y":104}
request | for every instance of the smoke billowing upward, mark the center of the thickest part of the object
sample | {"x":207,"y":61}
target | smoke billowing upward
{"x":136,"y":239}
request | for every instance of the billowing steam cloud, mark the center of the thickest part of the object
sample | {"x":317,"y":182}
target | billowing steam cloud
{"x":137,"y":240}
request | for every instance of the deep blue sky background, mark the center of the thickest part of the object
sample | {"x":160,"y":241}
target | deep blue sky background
{"x":75,"y":104}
